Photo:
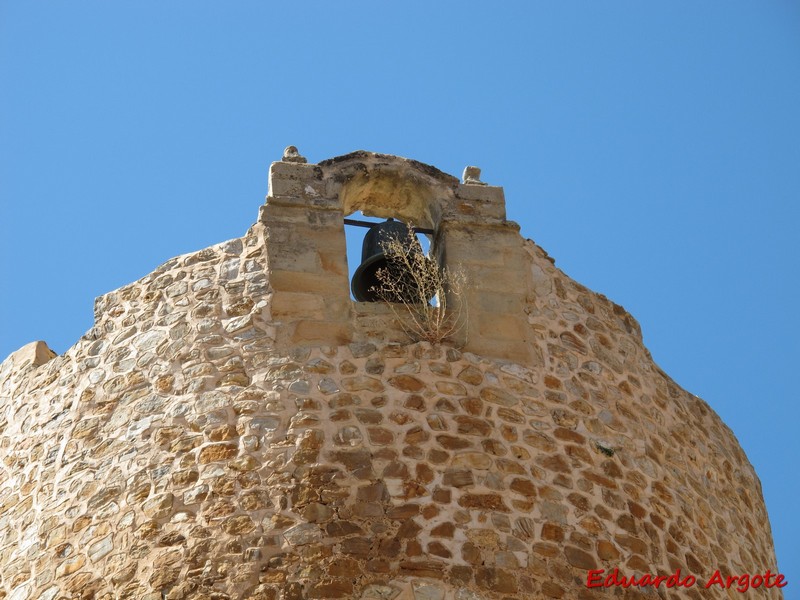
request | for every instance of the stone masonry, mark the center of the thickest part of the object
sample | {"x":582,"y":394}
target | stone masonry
{"x":236,"y":427}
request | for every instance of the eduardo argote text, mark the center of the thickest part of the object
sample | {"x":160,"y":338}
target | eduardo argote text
{"x":599,"y":578}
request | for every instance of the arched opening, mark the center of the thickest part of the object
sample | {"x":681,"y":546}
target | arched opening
{"x":375,"y":197}
{"x":385,"y":195}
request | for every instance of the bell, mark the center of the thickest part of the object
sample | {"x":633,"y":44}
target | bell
{"x":366,"y":285}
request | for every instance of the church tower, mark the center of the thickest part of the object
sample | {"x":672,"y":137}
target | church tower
{"x":237,"y":427}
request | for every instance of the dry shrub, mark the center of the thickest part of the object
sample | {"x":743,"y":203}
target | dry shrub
{"x":427,"y":299}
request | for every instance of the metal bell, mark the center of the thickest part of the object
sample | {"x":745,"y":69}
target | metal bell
{"x":365,"y":284}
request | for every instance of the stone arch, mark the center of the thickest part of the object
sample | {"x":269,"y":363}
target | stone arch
{"x":306,"y":248}
{"x":381,"y":185}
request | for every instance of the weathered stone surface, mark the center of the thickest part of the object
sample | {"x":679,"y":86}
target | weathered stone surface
{"x":406,"y":383}
{"x":380,"y":592}
{"x":32,"y":355}
{"x":302,"y":534}
{"x":234,"y":426}
{"x":579,"y":558}
{"x":458,"y":478}
{"x":159,"y":507}
{"x":472,"y":460}
{"x":483,"y":501}
{"x":216,"y":452}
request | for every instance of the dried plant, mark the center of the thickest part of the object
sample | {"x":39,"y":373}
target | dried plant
{"x":427,"y":299}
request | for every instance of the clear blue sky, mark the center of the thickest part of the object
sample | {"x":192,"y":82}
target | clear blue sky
{"x":652,"y":148}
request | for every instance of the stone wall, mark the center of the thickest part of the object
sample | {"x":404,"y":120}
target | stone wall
{"x":221,"y":433}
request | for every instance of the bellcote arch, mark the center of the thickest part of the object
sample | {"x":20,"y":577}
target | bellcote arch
{"x":304,"y":233}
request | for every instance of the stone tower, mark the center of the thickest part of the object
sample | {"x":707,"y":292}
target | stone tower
{"x":236,"y":427}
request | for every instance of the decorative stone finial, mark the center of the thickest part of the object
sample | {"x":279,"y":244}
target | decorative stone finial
{"x":472,"y":175}
{"x":290,"y":154}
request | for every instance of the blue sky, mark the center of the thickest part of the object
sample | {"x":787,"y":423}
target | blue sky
{"x":652,"y":148}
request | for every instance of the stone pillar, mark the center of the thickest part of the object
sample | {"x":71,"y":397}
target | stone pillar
{"x":307,"y":259}
{"x":475,"y":235}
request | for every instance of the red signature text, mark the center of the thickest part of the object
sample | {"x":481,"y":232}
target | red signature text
{"x":596,"y":578}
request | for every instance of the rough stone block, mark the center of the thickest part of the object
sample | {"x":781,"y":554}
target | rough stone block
{"x":501,"y":326}
{"x":296,"y":304}
{"x":507,"y":280}
{"x":321,"y":332}
{"x":280,"y":172}
{"x":486,"y":200}
{"x":288,"y":211}
{"x":33,"y":355}
{"x":302,"y":260}
{"x":313,"y":283}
